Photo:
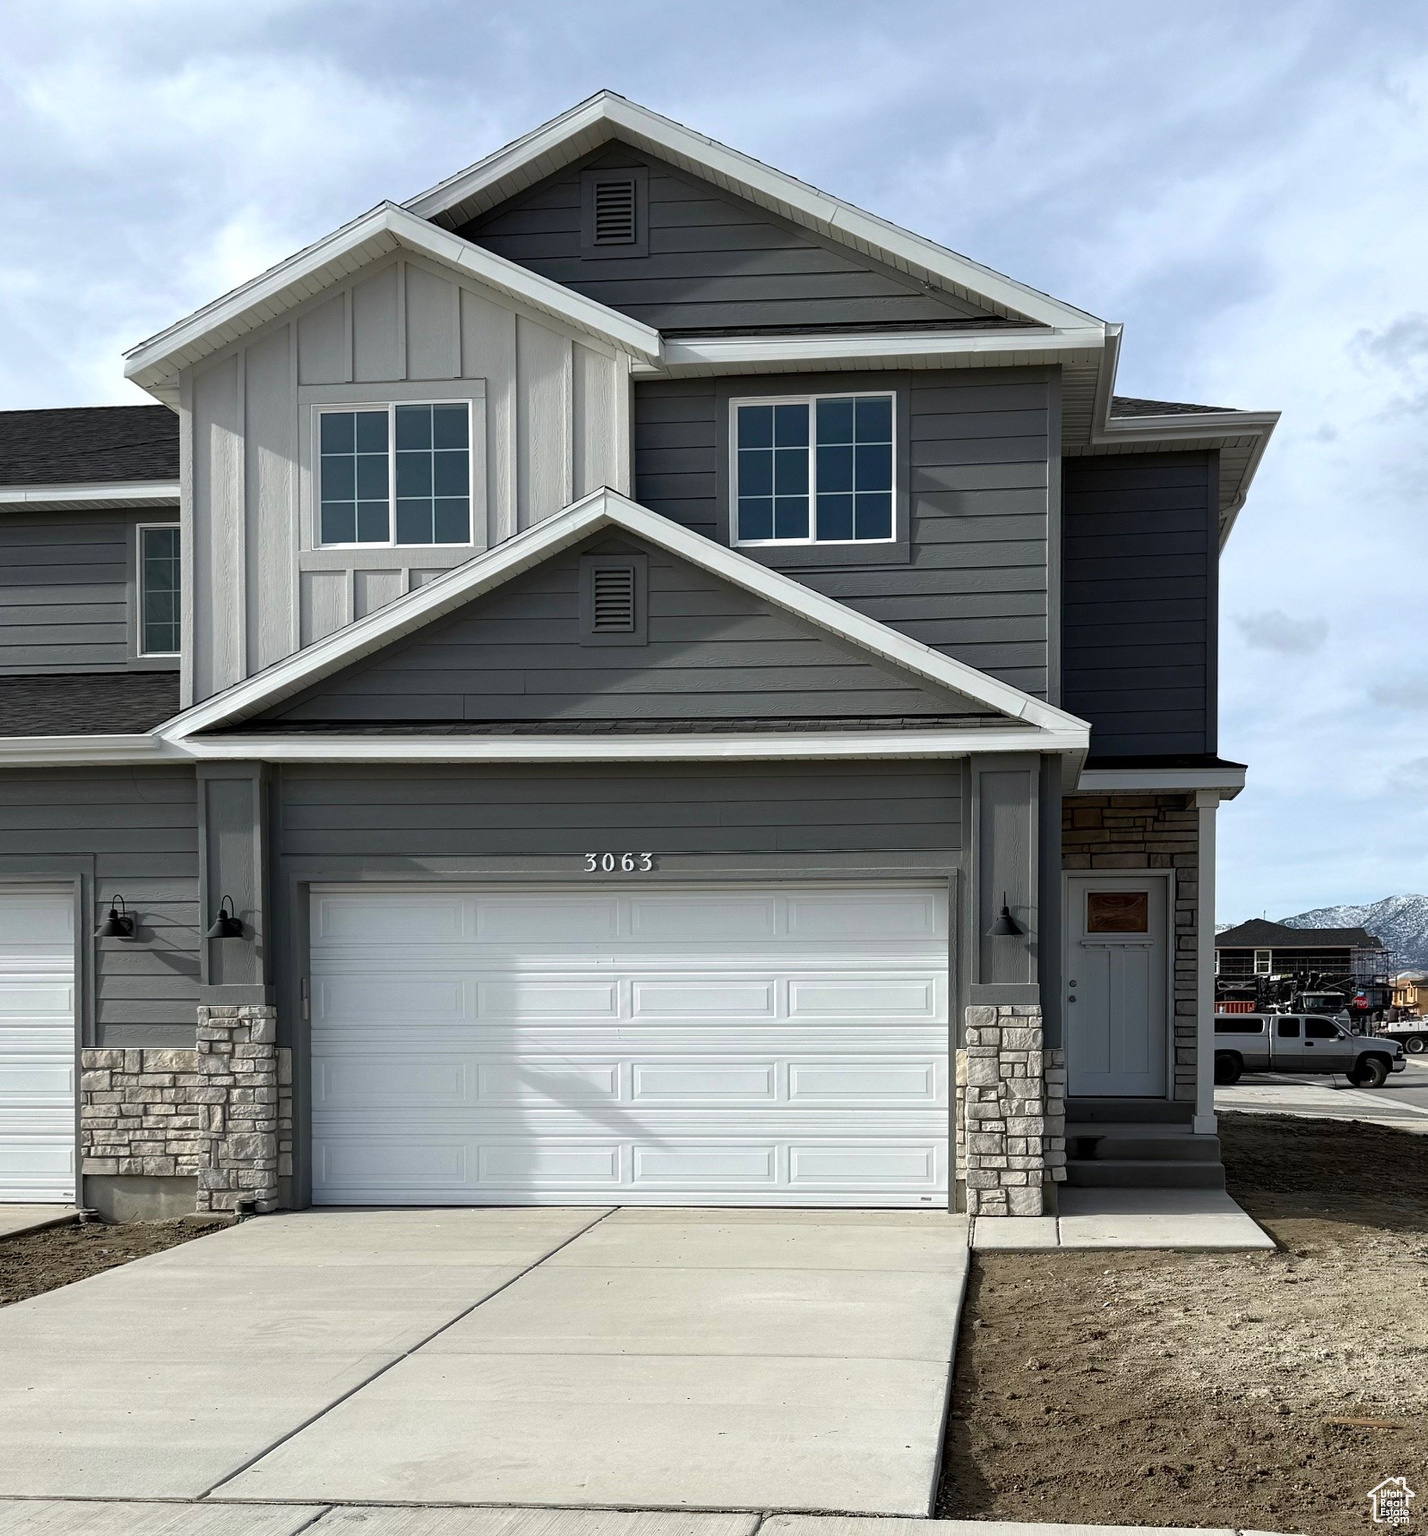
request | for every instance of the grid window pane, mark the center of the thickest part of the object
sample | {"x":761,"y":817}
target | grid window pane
{"x":433,"y":445}
{"x":353,"y":478}
{"x":833,"y":452}
{"x":854,"y":453}
{"x":159,"y":603}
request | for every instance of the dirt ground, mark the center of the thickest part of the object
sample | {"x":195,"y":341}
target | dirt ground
{"x":42,"y":1261}
{"x":1205,"y":1389}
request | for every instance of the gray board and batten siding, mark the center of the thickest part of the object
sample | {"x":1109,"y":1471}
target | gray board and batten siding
{"x":712,"y":649}
{"x":714,"y":261}
{"x":67,"y":591}
{"x":1140,"y":609}
{"x":130,"y":832}
{"x":978,"y":485}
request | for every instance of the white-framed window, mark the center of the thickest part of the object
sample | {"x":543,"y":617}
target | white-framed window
{"x":1264,"y":962}
{"x":393,"y":475}
{"x":814,"y":469}
{"x":158,"y":582}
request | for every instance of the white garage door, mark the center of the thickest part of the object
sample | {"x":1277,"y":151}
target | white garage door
{"x":36,"y":1045}
{"x":742,"y":1045}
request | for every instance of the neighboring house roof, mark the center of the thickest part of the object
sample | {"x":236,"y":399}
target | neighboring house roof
{"x":88,"y":445}
{"x":1034,"y":722}
{"x":1259,"y":934}
{"x":87,"y":703}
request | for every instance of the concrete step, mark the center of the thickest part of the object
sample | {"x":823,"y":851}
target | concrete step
{"x":1140,"y":1143}
{"x":1143,"y":1173}
{"x":1130,"y":1111}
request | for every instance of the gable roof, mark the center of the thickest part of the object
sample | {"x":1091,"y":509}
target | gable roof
{"x":1257,"y":933}
{"x":1040,"y":725}
{"x":607,"y":116}
{"x":155,"y":364}
{"x":86,"y":703}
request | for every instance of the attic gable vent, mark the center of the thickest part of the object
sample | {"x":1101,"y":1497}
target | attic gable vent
{"x":612,"y":208}
{"x":614,"y":212}
{"x":612,"y":600}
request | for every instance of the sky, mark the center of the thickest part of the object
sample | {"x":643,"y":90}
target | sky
{"x":1243,"y":185}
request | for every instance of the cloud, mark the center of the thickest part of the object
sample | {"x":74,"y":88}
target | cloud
{"x":1274,"y":630}
{"x":1410,"y":778}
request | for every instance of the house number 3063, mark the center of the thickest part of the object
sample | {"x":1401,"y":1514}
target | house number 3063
{"x":619,"y":863}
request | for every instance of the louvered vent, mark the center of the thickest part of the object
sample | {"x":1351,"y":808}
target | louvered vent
{"x":612,"y":600}
{"x":614,"y":212}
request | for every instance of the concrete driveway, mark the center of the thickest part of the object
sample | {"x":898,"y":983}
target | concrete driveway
{"x":791,"y":1360}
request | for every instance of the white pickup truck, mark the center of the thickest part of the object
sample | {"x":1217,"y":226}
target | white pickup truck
{"x":1298,"y":1043}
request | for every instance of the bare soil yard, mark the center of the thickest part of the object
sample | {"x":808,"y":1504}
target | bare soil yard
{"x":42,"y":1261}
{"x":1212,"y":1389}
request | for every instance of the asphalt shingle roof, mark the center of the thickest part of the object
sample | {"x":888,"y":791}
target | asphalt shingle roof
{"x":89,"y":445}
{"x":1265,"y":935}
{"x":1128,"y":405}
{"x":87,"y":703}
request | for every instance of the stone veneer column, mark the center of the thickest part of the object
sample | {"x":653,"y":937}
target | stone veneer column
{"x":237,"y":1051}
{"x":210,"y":1114}
{"x":1011,"y":1113}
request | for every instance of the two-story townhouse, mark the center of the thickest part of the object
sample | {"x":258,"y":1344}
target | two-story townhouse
{"x":622,"y":679}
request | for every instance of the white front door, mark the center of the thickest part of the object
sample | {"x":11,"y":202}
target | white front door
{"x":36,"y":1045}
{"x":741,"y":1044}
{"x":1117,"y":1022}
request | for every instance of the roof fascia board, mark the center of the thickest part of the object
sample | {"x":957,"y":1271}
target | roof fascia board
{"x":705,"y":352}
{"x":606,"y":115}
{"x":123,"y":493}
{"x":745,"y":747}
{"x":51,"y":751}
{"x":313,"y":269}
{"x":1104,"y":781}
{"x":608,"y":508}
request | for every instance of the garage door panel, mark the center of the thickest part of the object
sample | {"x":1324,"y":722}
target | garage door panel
{"x":753,"y":1043}
{"x":355,"y":918}
{"x":37,"y":1045}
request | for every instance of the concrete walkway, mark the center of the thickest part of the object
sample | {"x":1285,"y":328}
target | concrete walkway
{"x":1401,"y":1104}
{"x":15,"y":1219}
{"x":701,"y":1359}
{"x":1188,"y":1219}
{"x":61,"y":1518}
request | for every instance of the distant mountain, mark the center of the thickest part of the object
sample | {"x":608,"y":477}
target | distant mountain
{"x":1400,"y":921}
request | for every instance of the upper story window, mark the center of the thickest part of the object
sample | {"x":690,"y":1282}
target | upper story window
{"x":159,"y":590}
{"x":814,"y":470}
{"x":395,"y":474}
{"x":1263,"y":962}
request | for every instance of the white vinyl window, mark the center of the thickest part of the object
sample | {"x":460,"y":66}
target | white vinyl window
{"x":394,"y":474}
{"x":1264,"y":962}
{"x":813,"y":469}
{"x":158,"y":582}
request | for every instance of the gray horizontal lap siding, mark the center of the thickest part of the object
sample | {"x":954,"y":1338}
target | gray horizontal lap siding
{"x":1139,"y":601}
{"x":975,"y":585}
{"x":357,"y":820}
{"x":64,"y":592}
{"x":139,"y":826}
{"x":714,"y":260}
{"x":713,"y":650}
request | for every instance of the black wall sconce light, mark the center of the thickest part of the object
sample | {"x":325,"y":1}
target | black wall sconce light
{"x":1006,"y":925}
{"x":118,"y":924}
{"x":226,"y":925}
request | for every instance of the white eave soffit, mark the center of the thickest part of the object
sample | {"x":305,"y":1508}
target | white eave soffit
{"x":602,"y":509}
{"x":155,"y":364}
{"x":606,"y":116}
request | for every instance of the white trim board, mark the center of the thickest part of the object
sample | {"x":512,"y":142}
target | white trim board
{"x":608,"y":509}
{"x":606,"y":116}
{"x":155,"y":364}
{"x":97,"y":494}
{"x":750,"y":746}
{"x":1132,"y":781}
